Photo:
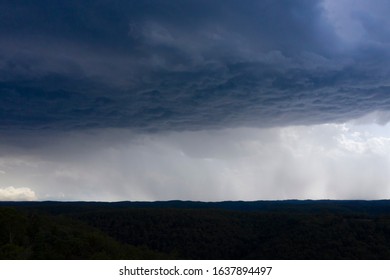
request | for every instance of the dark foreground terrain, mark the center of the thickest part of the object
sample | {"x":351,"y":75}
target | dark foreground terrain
{"x":195,"y":230}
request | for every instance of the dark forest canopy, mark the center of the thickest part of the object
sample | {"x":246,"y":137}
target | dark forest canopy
{"x":195,"y":230}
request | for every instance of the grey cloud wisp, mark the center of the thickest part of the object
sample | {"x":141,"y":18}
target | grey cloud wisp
{"x":190,"y":65}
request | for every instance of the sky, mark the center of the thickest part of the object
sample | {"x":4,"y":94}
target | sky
{"x":112,"y":100}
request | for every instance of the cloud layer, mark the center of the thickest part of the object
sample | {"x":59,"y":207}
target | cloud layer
{"x":202,"y":100}
{"x":190,"y":65}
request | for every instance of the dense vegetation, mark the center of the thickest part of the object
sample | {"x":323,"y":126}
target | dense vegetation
{"x":39,"y":236}
{"x":195,"y":230}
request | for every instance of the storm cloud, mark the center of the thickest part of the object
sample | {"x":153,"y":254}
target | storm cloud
{"x":200,"y":100}
{"x":190,"y":65}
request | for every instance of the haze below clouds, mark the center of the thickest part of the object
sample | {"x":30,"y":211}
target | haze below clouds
{"x":197,"y":100}
{"x":335,"y":161}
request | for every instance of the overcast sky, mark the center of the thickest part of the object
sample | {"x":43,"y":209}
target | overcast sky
{"x":195,"y":100}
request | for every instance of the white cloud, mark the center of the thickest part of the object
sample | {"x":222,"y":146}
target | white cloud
{"x":17,"y":194}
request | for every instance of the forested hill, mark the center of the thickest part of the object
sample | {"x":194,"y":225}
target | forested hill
{"x":195,"y":230}
{"x":371,"y":207}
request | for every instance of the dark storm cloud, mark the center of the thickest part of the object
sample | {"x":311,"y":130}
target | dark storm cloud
{"x":185,"y":65}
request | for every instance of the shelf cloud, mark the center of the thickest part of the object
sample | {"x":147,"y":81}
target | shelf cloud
{"x":190,"y":65}
{"x":186,"y":99}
